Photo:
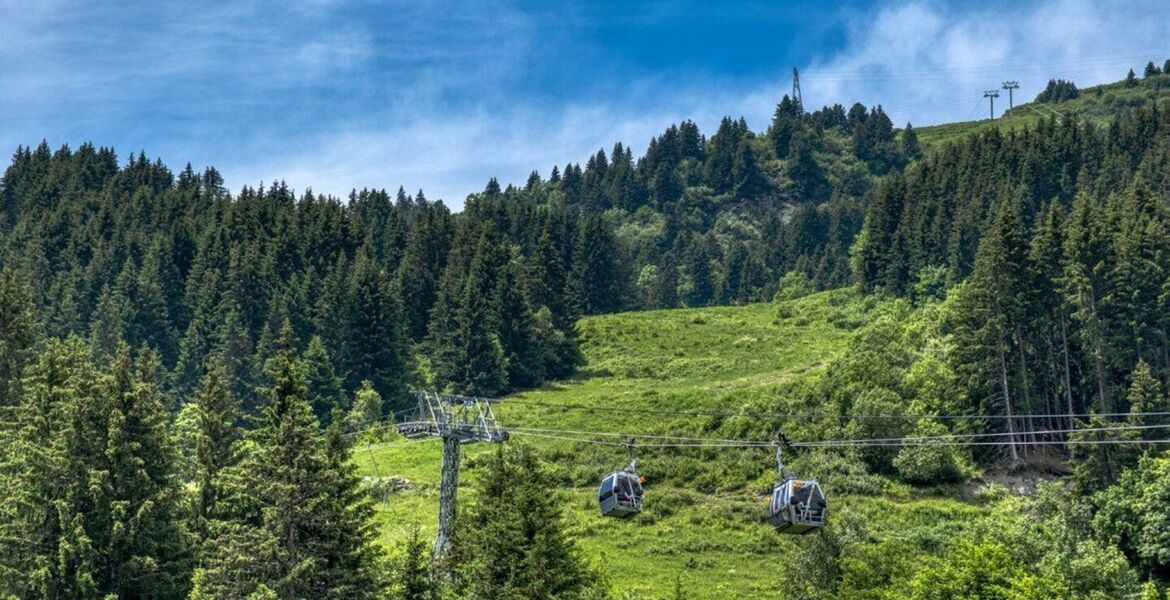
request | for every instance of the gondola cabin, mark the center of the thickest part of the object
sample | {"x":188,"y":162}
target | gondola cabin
{"x":620,"y":495}
{"x":798,"y":506}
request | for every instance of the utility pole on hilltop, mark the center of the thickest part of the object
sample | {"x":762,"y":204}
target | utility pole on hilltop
{"x":456,"y":420}
{"x":796,"y":91}
{"x":1009,"y":86}
{"x":992,"y":95}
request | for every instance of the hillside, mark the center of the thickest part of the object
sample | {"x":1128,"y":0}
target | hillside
{"x":703,"y":526}
{"x":996,"y":313}
{"x":688,"y":360}
{"x":1097,"y":104}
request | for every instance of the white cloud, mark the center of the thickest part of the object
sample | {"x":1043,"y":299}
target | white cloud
{"x":423,"y":94}
{"x":928,"y":62}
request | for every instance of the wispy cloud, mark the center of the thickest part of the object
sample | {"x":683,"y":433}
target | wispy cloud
{"x":342,"y":94}
{"x":930,"y":62}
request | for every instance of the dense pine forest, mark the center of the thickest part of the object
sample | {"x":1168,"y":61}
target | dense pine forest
{"x":184,"y":369}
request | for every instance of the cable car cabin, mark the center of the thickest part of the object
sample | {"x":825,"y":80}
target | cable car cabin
{"x":798,"y":506}
{"x":620,"y":495}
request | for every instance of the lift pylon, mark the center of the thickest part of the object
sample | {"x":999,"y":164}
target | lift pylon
{"x":456,"y":420}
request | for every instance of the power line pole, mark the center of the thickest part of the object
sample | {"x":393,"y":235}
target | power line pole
{"x":992,"y":95}
{"x":456,"y":420}
{"x":1009,"y":86}
{"x":796,"y":91}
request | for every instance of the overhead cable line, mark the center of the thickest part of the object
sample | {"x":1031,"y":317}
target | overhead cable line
{"x":812,"y":416}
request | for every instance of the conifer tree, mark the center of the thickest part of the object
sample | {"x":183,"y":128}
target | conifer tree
{"x":217,"y":446}
{"x":595,"y":278}
{"x":374,"y":347}
{"x":911,"y":150}
{"x":518,"y":332}
{"x":784,"y":123}
{"x":18,"y":333}
{"x":34,"y":534}
{"x":414,"y":579}
{"x":297,"y":522}
{"x":1145,"y":396}
{"x":806,"y":177}
{"x":697,"y":267}
{"x":324,"y":386}
{"x":515,"y":546}
{"x":749,"y":182}
{"x":111,"y":322}
{"x":480,"y":365}
{"x":994,"y":307}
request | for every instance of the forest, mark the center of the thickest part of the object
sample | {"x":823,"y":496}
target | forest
{"x":186,"y":372}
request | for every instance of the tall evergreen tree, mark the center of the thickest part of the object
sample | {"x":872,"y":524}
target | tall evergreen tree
{"x":595,"y":279}
{"x":324,"y":386}
{"x":375,"y":338}
{"x":217,"y":446}
{"x":18,"y":333}
{"x":296,"y":523}
{"x":994,"y":307}
{"x":515,"y":546}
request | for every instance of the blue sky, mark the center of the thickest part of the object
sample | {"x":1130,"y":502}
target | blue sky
{"x":337,"y":94}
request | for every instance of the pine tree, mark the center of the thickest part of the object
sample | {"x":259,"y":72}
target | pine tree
{"x":217,"y":446}
{"x":144,"y":552}
{"x":422,"y":266}
{"x":34,"y":535}
{"x":911,"y":150}
{"x":734,"y":263}
{"x":1130,"y":79}
{"x":518,"y":332}
{"x":807,"y":178}
{"x":1145,"y":396}
{"x":697,"y":268}
{"x":1151,"y":70}
{"x":1085,"y":285}
{"x":749,"y":182}
{"x":375,"y":337}
{"x":993,"y":308}
{"x":481,"y":365}
{"x":784,"y":123}
{"x":296,"y":522}
{"x":111,"y":321}
{"x":595,"y":277}
{"x":95,"y":507}
{"x":413,"y":576}
{"x":515,"y":546}
{"x":325,"y":392}
{"x":18,"y":333}
{"x":353,"y":562}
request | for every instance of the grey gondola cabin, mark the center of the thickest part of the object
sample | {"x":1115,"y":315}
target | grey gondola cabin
{"x":620,"y":495}
{"x":798,"y":506}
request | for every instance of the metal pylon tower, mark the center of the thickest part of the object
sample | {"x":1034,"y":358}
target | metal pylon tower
{"x":991,"y":95}
{"x":796,"y":91}
{"x":456,"y":420}
{"x":1010,"y":86}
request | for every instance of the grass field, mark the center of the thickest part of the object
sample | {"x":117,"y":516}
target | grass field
{"x":1097,"y":104}
{"x":703,"y":521}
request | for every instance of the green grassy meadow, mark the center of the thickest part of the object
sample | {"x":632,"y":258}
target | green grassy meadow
{"x":1097,"y":104}
{"x":704,"y":518}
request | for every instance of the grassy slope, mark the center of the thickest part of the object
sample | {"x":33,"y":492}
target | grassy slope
{"x":711,"y":536}
{"x":1099,"y":104}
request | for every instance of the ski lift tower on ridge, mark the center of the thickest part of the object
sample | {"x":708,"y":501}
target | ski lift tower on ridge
{"x":456,"y":420}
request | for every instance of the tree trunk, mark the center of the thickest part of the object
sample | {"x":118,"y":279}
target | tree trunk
{"x":1007,"y":398}
{"x":1067,"y":368}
